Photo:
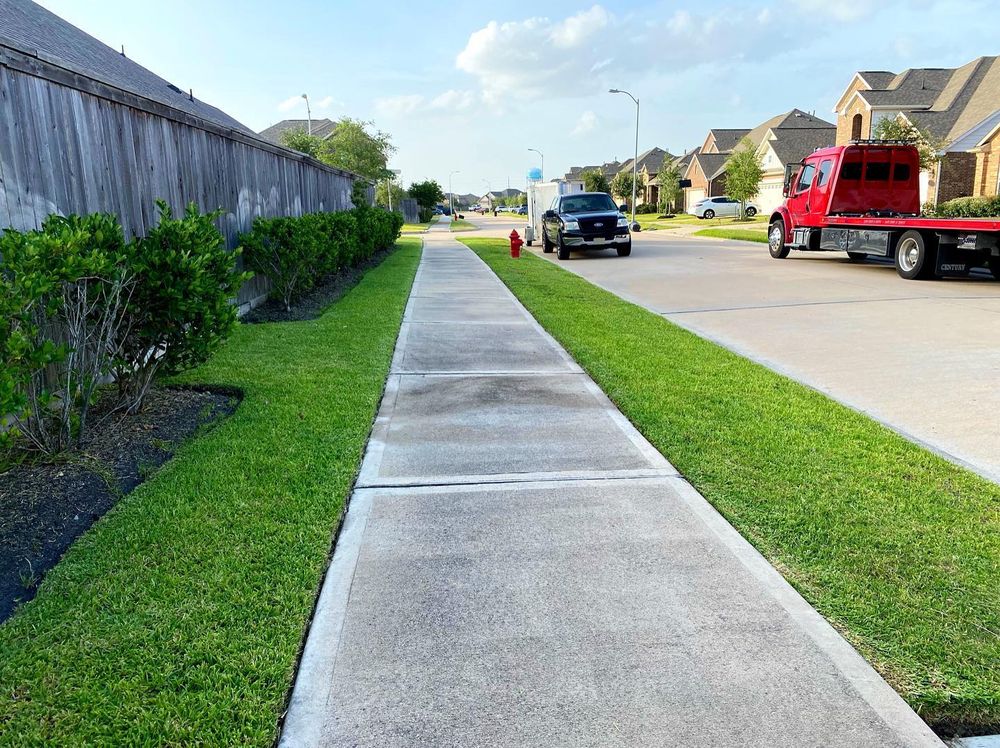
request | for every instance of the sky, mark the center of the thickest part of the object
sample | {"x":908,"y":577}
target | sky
{"x":471,"y":88}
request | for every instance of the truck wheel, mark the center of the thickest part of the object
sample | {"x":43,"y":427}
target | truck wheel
{"x":625,"y":251}
{"x":563,"y":253}
{"x":995,"y":267}
{"x":914,"y":256}
{"x":857,"y":256}
{"x":709,"y":214}
{"x":546,"y":244}
{"x":776,"y":239}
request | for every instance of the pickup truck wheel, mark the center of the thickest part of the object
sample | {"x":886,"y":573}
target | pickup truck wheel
{"x":625,"y":251}
{"x":914,"y":256}
{"x":563,"y":253}
{"x":776,"y":240}
{"x":709,"y":214}
{"x":546,"y":244}
{"x":857,"y":256}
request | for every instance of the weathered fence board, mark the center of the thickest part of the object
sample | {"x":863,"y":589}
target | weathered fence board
{"x":71,"y":144}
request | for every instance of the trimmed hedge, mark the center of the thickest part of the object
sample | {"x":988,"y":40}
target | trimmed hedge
{"x":297,"y":252}
{"x":969,"y":207}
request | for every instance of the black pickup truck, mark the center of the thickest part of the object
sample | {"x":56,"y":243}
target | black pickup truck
{"x":585,"y":220}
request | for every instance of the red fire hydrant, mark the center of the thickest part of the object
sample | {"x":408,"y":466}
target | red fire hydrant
{"x":515,"y":244}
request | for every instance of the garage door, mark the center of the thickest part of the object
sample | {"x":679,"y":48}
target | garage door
{"x":769,"y":197}
{"x":691,"y":197}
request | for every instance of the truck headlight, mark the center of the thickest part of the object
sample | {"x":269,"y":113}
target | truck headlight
{"x":571,"y":225}
{"x":623,"y":223}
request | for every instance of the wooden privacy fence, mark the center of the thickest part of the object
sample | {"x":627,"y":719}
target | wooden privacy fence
{"x":70,"y":143}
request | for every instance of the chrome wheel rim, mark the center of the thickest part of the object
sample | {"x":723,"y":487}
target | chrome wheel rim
{"x":909,"y":255}
{"x":775,"y":238}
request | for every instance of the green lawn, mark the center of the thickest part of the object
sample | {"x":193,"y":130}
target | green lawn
{"x":746,"y":235}
{"x":650,"y":221}
{"x":462,"y":225}
{"x":418,"y":228}
{"x":178,"y":617}
{"x":897,"y":547}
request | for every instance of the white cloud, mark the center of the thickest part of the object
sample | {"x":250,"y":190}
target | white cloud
{"x":395,"y":106}
{"x":326,"y":102}
{"x":569,"y":57}
{"x":290,"y":103}
{"x":453,"y":100}
{"x":587,"y":122}
{"x":839,"y":10}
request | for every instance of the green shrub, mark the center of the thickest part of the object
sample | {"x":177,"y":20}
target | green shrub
{"x":297,"y":252}
{"x":646,"y":208}
{"x":182,"y":307}
{"x":969,"y":207}
{"x":68,"y":289}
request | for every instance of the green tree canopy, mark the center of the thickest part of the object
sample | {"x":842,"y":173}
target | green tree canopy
{"x":743,"y":174}
{"x":301,"y":141}
{"x":668,"y":179}
{"x":353,"y":148}
{"x":382,"y":194}
{"x":621,"y":186}
{"x":427,"y":194}
{"x":595,"y":181}
{"x":897,"y":128}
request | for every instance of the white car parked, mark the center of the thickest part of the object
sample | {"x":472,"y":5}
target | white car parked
{"x":724,"y":205}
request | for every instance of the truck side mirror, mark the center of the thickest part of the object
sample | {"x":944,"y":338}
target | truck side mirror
{"x":623,"y":208}
{"x":790,"y":170}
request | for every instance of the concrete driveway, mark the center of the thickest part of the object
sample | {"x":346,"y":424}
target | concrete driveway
{"x":922,"y":357}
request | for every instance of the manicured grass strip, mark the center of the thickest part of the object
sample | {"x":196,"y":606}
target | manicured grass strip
{"x":462,"y":225}
{"x":746,"y":235}
{"x":899,"y":548}
{"x":177,"y":619}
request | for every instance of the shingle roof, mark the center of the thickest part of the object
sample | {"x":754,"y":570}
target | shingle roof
{"x":726,"y":140}
{"x":877,"y":78}
{"x":792,"y":144}
{"x":712,"y":164}
{"x":30,"y":28}
{"x":794,"y":119}
{"x":321,"y":128}
{"x":945,"y":101}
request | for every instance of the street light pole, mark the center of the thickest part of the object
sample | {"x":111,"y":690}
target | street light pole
{"x":542,"y":155}
{"x":451,"y":195}
{"x":635,"y":159}
{"x":309,"y":114}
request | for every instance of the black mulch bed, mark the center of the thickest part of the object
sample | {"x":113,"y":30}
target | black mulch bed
{"x":313,"y":304}
{"x":44,"y":507}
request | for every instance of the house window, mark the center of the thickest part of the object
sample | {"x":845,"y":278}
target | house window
{"x":856,"y":127}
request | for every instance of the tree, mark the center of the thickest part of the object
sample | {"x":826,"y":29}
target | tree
{"x":743,"y":174}
{"x":301,"y":141}
{"x":897,"y":128}
{"x":353,"y":148}
{"x":668,"y":179}
{"x":427,"y":194}
{"x":382,"y":194}
{"x":595,"y":181}
{"x":621,"y":186}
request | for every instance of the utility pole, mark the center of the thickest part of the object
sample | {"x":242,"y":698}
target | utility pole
{"x":635,"y":159}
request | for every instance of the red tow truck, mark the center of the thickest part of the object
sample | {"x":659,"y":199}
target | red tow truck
{"x":864,"y":198}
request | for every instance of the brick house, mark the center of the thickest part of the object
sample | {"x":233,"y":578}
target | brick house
{"x":957,"y":106}
{"x":787,"y":145}
{"x":648,"y":166}
{"x":707,"y":168}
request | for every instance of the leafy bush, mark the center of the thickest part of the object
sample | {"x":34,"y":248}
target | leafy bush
{"x":182,"y":306}
{"x":969,"y":207}
{"x":69,"y":289}
{"x":295,"y":253}
{"x":646,"y":208}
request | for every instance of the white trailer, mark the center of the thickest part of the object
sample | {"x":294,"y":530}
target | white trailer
{"x":540,"y":195}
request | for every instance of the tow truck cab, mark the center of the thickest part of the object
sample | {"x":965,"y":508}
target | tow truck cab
{"x":864,"y":198}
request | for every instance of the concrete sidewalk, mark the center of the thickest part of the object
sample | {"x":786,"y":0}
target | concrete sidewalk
{"x":519,"y":567}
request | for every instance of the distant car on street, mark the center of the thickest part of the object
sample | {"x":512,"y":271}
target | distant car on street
{"x":712,"y":207}
{"x":585,"y":220}
{"x":521,"y":210}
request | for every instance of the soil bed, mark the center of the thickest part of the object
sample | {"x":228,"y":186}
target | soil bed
{"x":314,"y":303}
{"x":45,"y":506}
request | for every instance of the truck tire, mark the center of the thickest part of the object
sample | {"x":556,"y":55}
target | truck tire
{"x":546,"y":244}
{"x":857,"y":256}
{"x":625,"y":251}
{"x":915,"y":255}
{"x":995,"y":267}
{"x":776,"y":239}
{"x":563,"y":253}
